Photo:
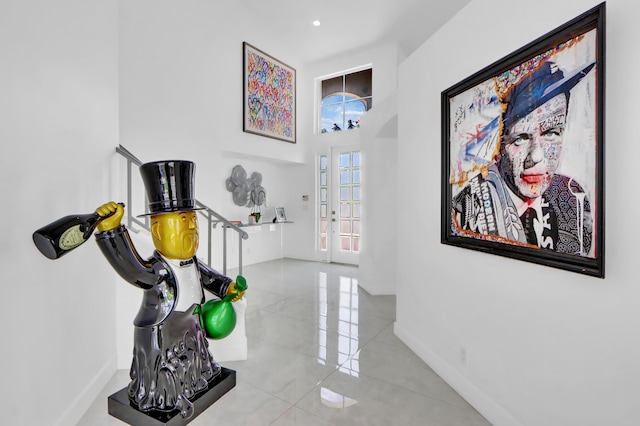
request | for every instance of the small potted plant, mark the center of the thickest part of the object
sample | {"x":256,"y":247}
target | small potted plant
{"x":254,"y":217}
{"x":257,"y":199}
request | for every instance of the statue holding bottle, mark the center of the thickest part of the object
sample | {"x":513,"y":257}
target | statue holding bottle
{"x":171,"y":363}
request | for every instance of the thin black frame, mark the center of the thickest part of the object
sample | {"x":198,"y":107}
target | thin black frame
{"x":268,"y":96}
{"x":593,"y":266}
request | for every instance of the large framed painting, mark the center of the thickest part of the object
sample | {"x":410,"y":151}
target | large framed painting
{"x":523,"y":152}
{"x":269,"y":90}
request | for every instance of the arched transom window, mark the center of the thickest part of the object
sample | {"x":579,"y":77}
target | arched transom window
{"x":344,"y":100}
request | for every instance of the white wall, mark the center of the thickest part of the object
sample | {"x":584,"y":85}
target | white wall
{"x":181,"y":81}
{"x":379,"y":136}
{"x":181,"y":96}
{"x":59,"y":88}
{"x":543,"y":346}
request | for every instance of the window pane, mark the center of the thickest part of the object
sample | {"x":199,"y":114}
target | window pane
{"x":356,"y":210}
{"x":345,"y":226}
{"x":345,"y":194}
{"x":323,"y":162}
{"x":345,"y":243}
{"x":332,"y":86}
{"x":331,"y":118}
{"x":323,"y":226}
{"x":323,"y":243}
{"x":323,"y":179}
{"x":353,"y":111}
{"x":356,"y":159}
{"x":359,"y":83}
{"x":323,"y":195}
{"x":323,"y":211}
{"x":345,"y":210}
{"x":356,"y":244}
{"x":345,"y":160}
{"x":356,"y":227}
{"x":351,"y":122}
{"x":369,"y":102}
{"x":345,"y":177}
{"x":356,"y":177}
{"x":356,"y":193}
{"x":337,"y":98}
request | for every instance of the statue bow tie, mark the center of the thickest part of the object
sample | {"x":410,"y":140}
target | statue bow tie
{"x":186,"y":262}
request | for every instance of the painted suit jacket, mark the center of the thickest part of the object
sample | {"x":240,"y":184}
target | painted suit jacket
{"x":485,"y":207}
{"x":153,"y":275}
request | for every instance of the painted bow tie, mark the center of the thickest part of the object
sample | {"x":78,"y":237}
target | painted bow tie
{"x":186,"y":262}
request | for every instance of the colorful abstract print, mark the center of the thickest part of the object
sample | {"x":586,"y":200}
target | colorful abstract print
{"x":270,"y":97}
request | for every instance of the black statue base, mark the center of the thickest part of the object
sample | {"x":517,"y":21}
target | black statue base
{"x":123,"y":409}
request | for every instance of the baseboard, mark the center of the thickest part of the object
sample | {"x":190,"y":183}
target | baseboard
{"x":479,"y":400}
{"x":87,"y":395}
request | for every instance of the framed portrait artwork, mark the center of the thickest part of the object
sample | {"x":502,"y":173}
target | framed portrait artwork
{"x":269,"y":90}
{"x":523,"y":152}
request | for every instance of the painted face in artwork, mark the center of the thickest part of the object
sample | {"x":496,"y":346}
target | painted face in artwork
{"x":531,"y":149}
{"x":175,"y":235}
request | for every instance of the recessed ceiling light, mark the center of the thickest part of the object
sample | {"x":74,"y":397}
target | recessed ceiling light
{"x":316,"y":23}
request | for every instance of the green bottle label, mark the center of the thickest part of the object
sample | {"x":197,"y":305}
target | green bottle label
{"x":71,"y":238}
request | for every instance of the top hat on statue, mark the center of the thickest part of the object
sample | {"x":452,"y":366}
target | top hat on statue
{"x":169,"y":186}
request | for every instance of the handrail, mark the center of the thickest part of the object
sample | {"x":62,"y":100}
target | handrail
{"x":206,"y":211}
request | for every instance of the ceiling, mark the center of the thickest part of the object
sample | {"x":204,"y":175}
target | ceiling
{"x":349,"y":25}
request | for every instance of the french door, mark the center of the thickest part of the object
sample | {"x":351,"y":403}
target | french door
{"x":344,"y":211}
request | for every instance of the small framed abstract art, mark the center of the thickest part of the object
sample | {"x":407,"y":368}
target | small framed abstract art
{"x":269,"y":90}
{"x":523,"y":152}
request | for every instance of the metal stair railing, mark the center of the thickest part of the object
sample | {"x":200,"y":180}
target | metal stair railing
{"x":213,"y":218}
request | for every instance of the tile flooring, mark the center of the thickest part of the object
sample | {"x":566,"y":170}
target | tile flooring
{"x":321,"y":351}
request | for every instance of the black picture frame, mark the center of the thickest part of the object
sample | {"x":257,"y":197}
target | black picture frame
{"x":510,"y":142}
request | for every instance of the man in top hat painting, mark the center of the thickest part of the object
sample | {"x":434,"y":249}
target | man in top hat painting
{"x":171,"y":360}
{"x":519,"y":197}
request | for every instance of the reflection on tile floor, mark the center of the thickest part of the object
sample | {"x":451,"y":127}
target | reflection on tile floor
{"x":321,"y":351}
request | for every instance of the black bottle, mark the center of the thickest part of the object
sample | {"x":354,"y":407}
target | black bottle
{"x":65,"y":234}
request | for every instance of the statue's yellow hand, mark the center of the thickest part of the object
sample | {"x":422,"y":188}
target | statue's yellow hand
{"x":112,"y":213}
{"x":233,"y":289}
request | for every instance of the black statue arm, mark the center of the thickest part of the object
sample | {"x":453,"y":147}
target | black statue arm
{"x":213,"y":281}
{"x":117,"y":247}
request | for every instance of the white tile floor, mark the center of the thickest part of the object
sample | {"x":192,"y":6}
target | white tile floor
{"x":321,"y":352}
